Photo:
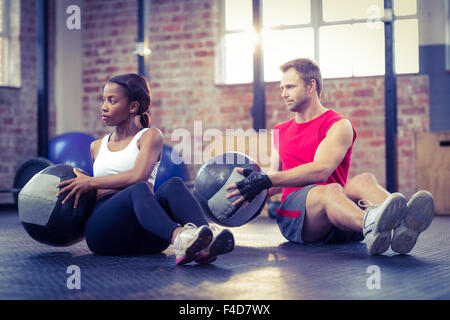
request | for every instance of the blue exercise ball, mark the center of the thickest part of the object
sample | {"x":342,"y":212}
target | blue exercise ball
{"x":169,"y":168}
{"x":72,"y":148}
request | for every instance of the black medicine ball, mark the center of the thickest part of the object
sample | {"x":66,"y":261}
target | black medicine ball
{"x":209,"y":188}
{"x":43,"y":216}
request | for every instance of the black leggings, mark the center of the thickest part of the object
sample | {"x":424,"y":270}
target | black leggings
{"x":136,"y":221}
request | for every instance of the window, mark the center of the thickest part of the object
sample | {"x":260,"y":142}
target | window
{"x":351,"y":38}
{"x":287,"y":34}
{"x":345,"y":37}
{"x":238,"y":42}
{"x":406,"y":36}
{"x":283,"y":45}
{"x":9,"y":43}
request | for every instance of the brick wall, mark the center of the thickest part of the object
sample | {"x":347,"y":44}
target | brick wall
{"x":109,"y":31}
{"x":18,"y":106}
{"x":18,"y":112}
{"x":183,"y":38}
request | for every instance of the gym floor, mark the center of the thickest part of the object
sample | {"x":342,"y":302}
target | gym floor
{"x":262,"y":266}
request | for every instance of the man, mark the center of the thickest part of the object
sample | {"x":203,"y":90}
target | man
{"x":310,"y":162}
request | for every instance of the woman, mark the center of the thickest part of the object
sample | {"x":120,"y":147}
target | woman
{"x":128,"y":217}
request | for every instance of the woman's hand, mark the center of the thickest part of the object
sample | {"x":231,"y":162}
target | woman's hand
{"x":77,"y":186}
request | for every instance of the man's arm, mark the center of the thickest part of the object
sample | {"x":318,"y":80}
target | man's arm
{"x":329,"y":154}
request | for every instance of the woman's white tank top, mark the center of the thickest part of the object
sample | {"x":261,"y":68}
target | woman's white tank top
{"x":108,"y":162}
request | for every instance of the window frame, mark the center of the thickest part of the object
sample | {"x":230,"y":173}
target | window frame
{"x":316,"y":23}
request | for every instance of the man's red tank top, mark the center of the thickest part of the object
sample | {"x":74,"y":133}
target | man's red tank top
{"x":297,"y":144}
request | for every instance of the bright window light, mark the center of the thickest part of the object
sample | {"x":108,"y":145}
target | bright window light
{"x":238,"y":58}
{"x":406,"y":39}
{"x":238,"y":14}
{"x":339,"y":10}
{"x":368,"y":49}
{"x":350,"y":35}
{"x":335,"y":51}
{"x":280,"y":46}
{"x":405,"y":7}
{"x":286,"y":12}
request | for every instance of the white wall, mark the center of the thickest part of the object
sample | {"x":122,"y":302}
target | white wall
{"x":68,"y":77}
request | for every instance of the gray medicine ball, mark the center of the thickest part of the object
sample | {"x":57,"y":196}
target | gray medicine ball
{"x":43,"y":215}
{"x":209,"y":189}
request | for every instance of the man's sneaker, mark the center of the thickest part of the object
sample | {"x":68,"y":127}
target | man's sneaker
{"x":379,"y":221}
{"x":419,"y":215}
{"x":189,"y":241}
{"x":222,"y":242}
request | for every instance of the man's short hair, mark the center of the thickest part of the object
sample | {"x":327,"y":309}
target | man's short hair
{"x":307,"y":70}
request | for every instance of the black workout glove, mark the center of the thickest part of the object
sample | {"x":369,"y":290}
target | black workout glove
{"x":253,"y":184}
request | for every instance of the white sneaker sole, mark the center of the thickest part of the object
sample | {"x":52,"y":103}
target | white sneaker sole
{"x":391,"y":215}
{"x":200,"y":242}
{"x":222,"y":244}
{"x":419,"y":216}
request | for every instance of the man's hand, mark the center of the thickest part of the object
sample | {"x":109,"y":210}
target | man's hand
{"x":250,"y":187}
{"x":77,"y":186}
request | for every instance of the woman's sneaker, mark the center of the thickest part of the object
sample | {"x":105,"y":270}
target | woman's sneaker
{"x":419,"y":215}
{"x":222,"y":242}
{"x":189,"y":241}
{"x":379,"y":221}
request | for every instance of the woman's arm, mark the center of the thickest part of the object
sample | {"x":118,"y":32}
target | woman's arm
{"x":95,"y":148}
{"x":151,"y":144}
